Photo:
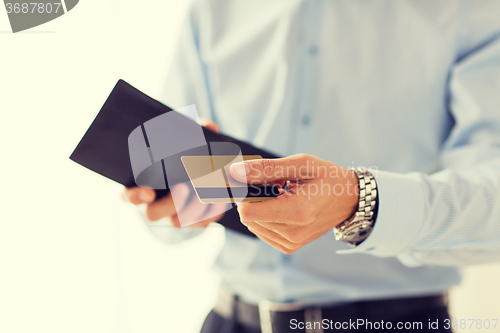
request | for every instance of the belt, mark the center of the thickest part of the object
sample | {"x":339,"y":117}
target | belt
{"x":272,"y":317}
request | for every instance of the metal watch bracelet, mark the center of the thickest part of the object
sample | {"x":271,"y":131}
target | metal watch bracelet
{"x":357,"y":228}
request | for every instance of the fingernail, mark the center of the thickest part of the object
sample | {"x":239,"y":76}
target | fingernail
{"x":241,"y":168}
{"x":145,"y":196}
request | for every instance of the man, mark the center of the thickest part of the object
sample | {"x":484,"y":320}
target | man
{"x":408,"y":89}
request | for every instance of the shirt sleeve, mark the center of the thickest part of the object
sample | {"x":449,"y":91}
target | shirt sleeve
{"x":187,"y":79}
{"x":452,"y":217}
{"x":185,"y":85}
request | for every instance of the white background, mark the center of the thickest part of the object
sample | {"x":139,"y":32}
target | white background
{"x":73,"y":257}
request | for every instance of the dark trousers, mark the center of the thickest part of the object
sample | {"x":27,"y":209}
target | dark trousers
{"x":217,"y":324}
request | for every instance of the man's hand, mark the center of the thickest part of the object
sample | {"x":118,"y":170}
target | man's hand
{"x":321,"y":196}
{"x":184,"y":212}
{"x":187,"y":210}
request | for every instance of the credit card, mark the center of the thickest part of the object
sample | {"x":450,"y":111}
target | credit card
{"x":213,"y":183}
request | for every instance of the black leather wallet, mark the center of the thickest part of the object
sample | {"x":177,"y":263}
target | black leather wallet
{"x":105,"y":146}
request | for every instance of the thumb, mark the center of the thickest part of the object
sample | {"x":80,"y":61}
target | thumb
{"x":210,"y":124}
{"x":261,"y":171}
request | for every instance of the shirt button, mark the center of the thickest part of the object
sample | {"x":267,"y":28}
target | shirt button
{"x":306,"y":120}
{"x":313,"y":49}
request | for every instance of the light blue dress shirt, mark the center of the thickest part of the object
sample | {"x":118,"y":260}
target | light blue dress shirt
{"x":410,"y":89}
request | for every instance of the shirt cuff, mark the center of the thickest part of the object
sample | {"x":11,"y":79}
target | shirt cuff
{"x":400,"y":215}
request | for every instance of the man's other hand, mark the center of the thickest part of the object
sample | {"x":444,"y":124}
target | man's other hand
{"x":321,"y":195}
{"x":187,"y":210}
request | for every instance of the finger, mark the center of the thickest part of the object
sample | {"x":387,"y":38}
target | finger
{"x":295,"y":187}
{"x":278,"y":243}
{"x":203,"y":221}
{"x":182,"y":194}
{"x":281,"y":183}
{"x":287,"y":206}
{"x":210,"y":124}
{"x":163,"y":207}
{"x":215,"y":212}
{"x":170,"y":205}
{"x":293,"y":233}
{"x":287,"y":235}
{"x":138,"y":195}
{"x":282,"y":229}
{"x":173,"y":220}
{"x":192,"y":213}
{"x":261,"y":171}
{"x":196,"y":212}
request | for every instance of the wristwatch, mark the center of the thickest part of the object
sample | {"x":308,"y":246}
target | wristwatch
{"x":359,"y":226}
